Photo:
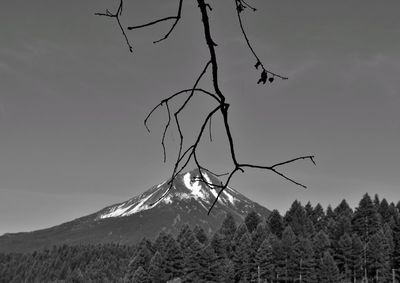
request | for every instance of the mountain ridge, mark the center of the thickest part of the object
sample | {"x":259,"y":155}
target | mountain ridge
{"x":144,"y":215}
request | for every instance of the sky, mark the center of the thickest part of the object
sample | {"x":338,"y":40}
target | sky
{"x":73,"y":100}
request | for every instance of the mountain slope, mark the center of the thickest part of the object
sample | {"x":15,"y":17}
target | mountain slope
{"x":144,"y":215}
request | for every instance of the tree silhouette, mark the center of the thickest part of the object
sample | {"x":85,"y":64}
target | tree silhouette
{"x":190,"y":153}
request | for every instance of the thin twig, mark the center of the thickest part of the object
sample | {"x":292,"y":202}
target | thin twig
{"x":259,"y":63}
{"x":117,"y":15}
{"x":175,"y":18}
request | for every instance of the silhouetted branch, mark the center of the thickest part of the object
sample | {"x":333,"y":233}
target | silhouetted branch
{"x":190,"y":153}
{"x":265,"y":72}
{"x":175,"y":18}
{"x":116,"y":15}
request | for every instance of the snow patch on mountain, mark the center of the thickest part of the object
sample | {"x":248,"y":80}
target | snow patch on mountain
{"x":231,"y":198}
{"x":128,"y":210}
{"x":195,"y":187}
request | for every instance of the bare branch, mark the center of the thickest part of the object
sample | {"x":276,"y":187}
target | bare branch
{"x":116,"y":15}
{"x":173,"y":96}
{"x":239,"y":4}
{"x":175,"y":18}
{"x":184,"y":156}
{"x":165,"y":131}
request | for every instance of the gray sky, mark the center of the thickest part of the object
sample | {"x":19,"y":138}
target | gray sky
{"x":73,"y":100}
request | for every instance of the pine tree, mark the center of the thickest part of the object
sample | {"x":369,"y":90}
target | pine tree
{"x":321,"y":244}
{"x":219,"y":245}
{"x":341,"y":226}
{"x":156,"y":272}
{"x":318,"y":217}
{"x":396,"y":249}
{"x":309,"y":209}
{"x":227,"y":274}
{"x":378,"y":258}
{"x":161,"y":242}
{"x":200,"y":235}
{"x":357,"y":257}
{"x":227,"y":231}
{"x":365,"y":220}
{"x":289,"y":241}
{"x":140,"y":276}
{"x":330,"y":214}
{"x":275,"y":223}
{"x":174,"y":262}
{"x":141,"y":258}
{"x":240,"y":231}
{"x":209,"y":266}
{"x":242,"y":258}
{"x":296,"y":218}
{"x":343,"y":209}
{"x":384,"y":211}
{"x":344,"y":256}
{"x":329,"y":273}
{"x":228,"y":227}
{"x":305,"y":261}
{"x":191,"y":251}
{"x":278,"y":258}
{"x":258,"y":236}
{"x":251,"y":220}
{"x":264,"y":259}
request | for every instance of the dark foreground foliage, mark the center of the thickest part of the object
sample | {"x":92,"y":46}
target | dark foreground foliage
{"x":307,"y":244}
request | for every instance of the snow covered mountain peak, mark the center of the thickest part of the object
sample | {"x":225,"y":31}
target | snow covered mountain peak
{"x":187,"y":187}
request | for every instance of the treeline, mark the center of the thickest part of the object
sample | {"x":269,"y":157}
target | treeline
{"x":307,"y":244}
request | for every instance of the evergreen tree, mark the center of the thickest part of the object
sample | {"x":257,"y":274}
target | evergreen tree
{"x":384,"y":211}
{"x":228,"y":227}
{"x":227,"y":231}
{"x":305,"y":261}
{"x":357,"y":257}
{"x":264,"y":259}
{"x":396,"y":249}
{"x":140,"y":276}
{"x":240,"y":231}
{"x":330,"y":214}
{"x":321,"y":244}
{"x":219,"y":245}
{"x":318,"y":217}
{"x":174,"y":262}
{"x":141,"y":258}
{"x":275,"y":223}
{"x":344,"y":256}
{"x":377,"y":202}
{"x":191,"y":251}
{"x":200,"y":235}
{"x":329,"y":273}
{"x":296,"y":218}
{"x":365,"y":220}
{"x":258,"y":236}
{"x":76,"y":276}
{"x":343,"y":209}
{"x":161,"y":241}
{"x":227,"y":274}
{"x":388,"y":234}
{"x":309,"y":210}
{"x":252,"y":220}
{"x":209,"y":266}
{"x":242,"y":258}
{"x":278,"y":258}
{"x":289,"y":242}
{"x":156,"y":272}
{"x":378,"y":258}
{"x":341,"y":226}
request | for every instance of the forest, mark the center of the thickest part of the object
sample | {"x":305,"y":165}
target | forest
{"x":306,"y":244}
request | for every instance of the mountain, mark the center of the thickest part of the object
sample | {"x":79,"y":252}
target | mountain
{"x":144,"y":215}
